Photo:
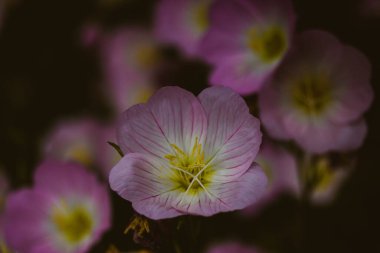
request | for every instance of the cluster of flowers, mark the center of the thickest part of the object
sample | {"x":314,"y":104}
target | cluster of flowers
{"x":200,"y":155}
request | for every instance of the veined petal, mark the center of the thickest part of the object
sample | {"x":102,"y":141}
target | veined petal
{"x":138,"y":131}
{"x":179,"y":116}
{"x":145,"y":181}
{"x":233,"y":135}
{"x":238,"y":193}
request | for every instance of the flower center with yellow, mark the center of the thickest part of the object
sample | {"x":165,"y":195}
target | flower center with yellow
{"x":268,"y":44}
{"x":201,"y":16}
{"x":74,"y":224}
{"x":312,"y":94}
{"x":190,"y":169}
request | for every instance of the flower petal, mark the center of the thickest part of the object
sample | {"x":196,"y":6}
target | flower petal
{"x":180,"y":116}
{"x":238,"y":193}
{"x":233,"y":135}
{"x":145,"y":181}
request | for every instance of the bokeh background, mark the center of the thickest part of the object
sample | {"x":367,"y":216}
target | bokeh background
{"x":47,"y":74}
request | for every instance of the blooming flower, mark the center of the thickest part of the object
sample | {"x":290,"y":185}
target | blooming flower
{"x":66,"y":211}
{"x":246,"y":41}
{"x":319,"y":95}
{"x":232,"y":247}
{"x":130,"y":57}
{"x":280,"y":167}
{"x":182,"y":23}
{"x":188,"y":155}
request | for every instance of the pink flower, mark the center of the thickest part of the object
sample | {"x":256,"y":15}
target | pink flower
{"x":319,"y":95}
{"x":182,"y":23}
{"x":130,"y":57}
{"x":74,"y":140}
{"x":232,"y":247}
{"x":280,"y":167}
{"x":188,"y":155}
{"x":67,"y":210}
{"x":246,"y":41}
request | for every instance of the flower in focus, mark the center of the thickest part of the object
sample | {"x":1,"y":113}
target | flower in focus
{"x":182,"y":23}
{"x":328,"y":179}
{"x":189,"y":155}
{"x":67,"y":211}
{"x":232,"y":247}
{"x":319,"y":95}
{"x":130,"y":57}
{"x":246,"y":41}
{"x":73,"y":140}
{"x":280,"y":167}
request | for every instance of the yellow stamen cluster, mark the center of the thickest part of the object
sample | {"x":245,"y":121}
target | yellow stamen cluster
{"x":312,"y":94}
{"x":139,"y":225}
{"x":268,"y":44}
{"x":190,"y":172}
{"x":73,"y":223}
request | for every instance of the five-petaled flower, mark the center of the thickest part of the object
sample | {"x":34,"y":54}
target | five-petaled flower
{"x":189,"y":155}
{"x":319,"y":94}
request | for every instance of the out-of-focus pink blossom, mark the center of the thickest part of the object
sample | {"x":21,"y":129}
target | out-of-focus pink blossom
{"x":280,"y":167}
{"x":319,"y":95}
{"x":67,"y":210}
{"x":246,"y":41}
{"x":182,"y":23}
{"x":189,"y":155}
{"x":130,"y":58}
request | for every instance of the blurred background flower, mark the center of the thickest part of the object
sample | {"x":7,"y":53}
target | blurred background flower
{"x":67,"y":210}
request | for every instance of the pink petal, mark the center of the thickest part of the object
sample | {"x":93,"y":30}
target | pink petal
{"x":145,"y":181}
{"x":179,"y":115}
{"x":138,"y":131}
{"x":233,"y":135}
{"x":238,"y":193}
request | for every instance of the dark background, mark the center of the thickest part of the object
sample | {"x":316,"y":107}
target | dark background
{"x":46,"y":74}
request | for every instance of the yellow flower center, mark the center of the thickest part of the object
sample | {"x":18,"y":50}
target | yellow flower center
{"x":74,"y":223}
{"x":190,"y":174}
{"x":80,"y":154}
{"x":269,"y":44}
{"x":267,"y":168}
{"x":147,"y":56}
{"x":201,"y":16}
{"x":312,"y":94}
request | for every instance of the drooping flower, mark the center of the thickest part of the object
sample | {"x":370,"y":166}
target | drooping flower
{"x":328,"y":181}
{"x":182,"y":23}
{"x":73,"y":140}
{"x":189,"y":155}
{"x":67,"y":210}
{"x":319,"y":95}
{"x":232,"y":247}
{"x":130,"y":57}
{"x":280,"y":167}
{"x":246,"y":41}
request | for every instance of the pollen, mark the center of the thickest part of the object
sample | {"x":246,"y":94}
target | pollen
{"x":190,"y":169}
{"x":74,"y":223}
{"x":269,"y":43}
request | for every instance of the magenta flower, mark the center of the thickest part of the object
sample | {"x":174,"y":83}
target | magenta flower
{"x":74,"y":140}
{"x":232,"y":247}
{"x":182,"y":23}
{"x":246,"y":41}
{"x":67,"y":211}
{"x":319,"y":95}
{"x":189,"y":155}
{"x":130,"y":57}
{"x":280,"y":167}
